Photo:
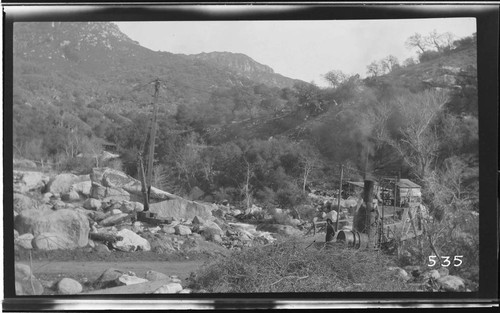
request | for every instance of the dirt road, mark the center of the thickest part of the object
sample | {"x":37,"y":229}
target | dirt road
{"x":92,"y":270}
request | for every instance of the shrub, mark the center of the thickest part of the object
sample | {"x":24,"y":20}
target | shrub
{"x":429,"y":55}
{"x":290,"y":267}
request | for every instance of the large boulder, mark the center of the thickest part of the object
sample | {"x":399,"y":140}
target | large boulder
{"x":26,"y":282}
{"x":66,"y":223}
{"x":53,"y":241}
{"x":68,"y":286}
{"x":24,"y":241}
{"x":62,"y":183}
{"x":28,"y":181}
{"x":23,"y":202}
{"x":111,"y":178}
{"x":131,"y":241}
{"x":451,"y":283}
{"x":182,"y":209}
{"x":108,"y":278}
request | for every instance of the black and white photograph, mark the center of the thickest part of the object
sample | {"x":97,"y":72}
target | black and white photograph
{"x":180,"y":156}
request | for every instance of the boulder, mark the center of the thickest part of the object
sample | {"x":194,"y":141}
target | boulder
{"x":24,"y":241}
{"x":16,"y":234}
{"x":62,"y":183}
{"x":53,"y":241}
{"x":92,"y":204}
{"x":116,"y":212}
{"x":116,"y":194}
{"x":182,"y":209}
{"x":29,"y":181}
{"x":99,"y":216}
{"x":101,"y":249}
{"x":108,"y":278}
{"x":127,"y":280}
{"x":97,"y":191}
{"x":71,"y":196}
{"x":23,"y":202}
{"x":131,"y":241}
{"x":109,"y":177}
{"x":131,"y":207}
{"x":434,"y":274}
{"x":169,"y":288}
{"x":25,"y":282}
{"x":198,"y":220}
{"x":114,"y":219}
{"x":83,"y":188}
{"x":67,"y":224}
{"x":235,"y":212}
{"x":153,"y":275}
{"x":168,"y":229}
{"x":187,"y":290}
{"x":182,"y":230}
{"x":451,"y":283}
{"x":212,"y":227}
{"x":68,"y":286}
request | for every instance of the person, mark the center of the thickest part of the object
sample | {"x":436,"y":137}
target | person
{"x":330,"y":230}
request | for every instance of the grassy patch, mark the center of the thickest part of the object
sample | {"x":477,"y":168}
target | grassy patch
{"x":292,"y":266}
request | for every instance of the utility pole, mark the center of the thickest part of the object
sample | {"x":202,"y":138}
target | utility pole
{"x":152,"y":138}
{"x":340,"y":194}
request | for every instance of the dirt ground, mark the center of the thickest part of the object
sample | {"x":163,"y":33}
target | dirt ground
{"x":53,"y":270}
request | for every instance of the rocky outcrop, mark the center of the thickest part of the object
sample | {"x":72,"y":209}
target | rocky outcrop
{"x":111,"y":178}
{"x":62,"y":183}
{"x":66,"y":223}
{"x":25,"y":181}
{"x":182,"y":209}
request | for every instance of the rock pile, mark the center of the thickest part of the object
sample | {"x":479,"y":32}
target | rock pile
{"x":99,"y":210}
{"x":430,"y":280}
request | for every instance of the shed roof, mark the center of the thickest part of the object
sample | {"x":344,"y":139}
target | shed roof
{"x":406,"y":183}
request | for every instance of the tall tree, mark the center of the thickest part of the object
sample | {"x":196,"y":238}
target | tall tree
{"x":417,"y":41}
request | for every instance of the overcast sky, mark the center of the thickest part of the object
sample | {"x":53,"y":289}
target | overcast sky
{"x":298,"y":49}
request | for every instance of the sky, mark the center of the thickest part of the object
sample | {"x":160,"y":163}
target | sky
{"x":303,"y":50}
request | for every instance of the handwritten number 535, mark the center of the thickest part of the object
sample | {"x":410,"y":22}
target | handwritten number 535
{"x":457,"y":260}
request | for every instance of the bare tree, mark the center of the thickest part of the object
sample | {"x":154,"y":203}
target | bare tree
{"x":309,"y":160}
{"x":417,"y":41}
{"x":336,"y":78}
{"x":389,"y":63}
{"x":418,"y":141}
{"x":374,"y":69}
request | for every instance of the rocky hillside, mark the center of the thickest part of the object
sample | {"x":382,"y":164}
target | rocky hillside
{"x":247,"y":67}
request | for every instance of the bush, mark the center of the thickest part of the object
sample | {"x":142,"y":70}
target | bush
{"x":429,"y":55}
{"x":290,"y":267}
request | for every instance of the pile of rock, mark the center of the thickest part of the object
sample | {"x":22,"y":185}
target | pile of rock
{"x":99,"y":210}
{"x":111,"y":281}
{"x":430,"y":280}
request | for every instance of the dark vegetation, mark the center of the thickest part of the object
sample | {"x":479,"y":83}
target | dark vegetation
{"x":290,"y":266}
{"x":251,"y":143}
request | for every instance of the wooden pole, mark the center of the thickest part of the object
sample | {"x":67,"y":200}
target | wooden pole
{"x":152,"y":138}
{"x":340,"y":194}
